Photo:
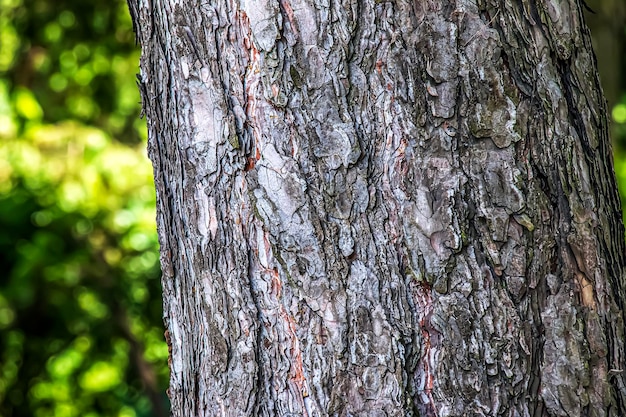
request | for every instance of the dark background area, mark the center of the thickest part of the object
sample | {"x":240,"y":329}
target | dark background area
{"x":81,"y":332}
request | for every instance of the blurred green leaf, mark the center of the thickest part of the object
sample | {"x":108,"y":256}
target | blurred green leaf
{"x":101,"y":376}
{"x":619,"y":113}
{"x":77,"y":228}
{"x":26,"y":104}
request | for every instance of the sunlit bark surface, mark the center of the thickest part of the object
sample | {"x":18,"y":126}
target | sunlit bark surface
{"x":384,"y":208}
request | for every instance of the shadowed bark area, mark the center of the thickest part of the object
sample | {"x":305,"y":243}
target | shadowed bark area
{"x":384,"y":208}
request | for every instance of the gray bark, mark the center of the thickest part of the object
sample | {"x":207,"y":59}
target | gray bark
{"x":384,"y":208}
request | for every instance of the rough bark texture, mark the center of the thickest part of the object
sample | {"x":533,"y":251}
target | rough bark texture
{"x":384,"y":208}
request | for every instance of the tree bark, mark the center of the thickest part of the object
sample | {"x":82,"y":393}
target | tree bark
{"x":384,"y":208}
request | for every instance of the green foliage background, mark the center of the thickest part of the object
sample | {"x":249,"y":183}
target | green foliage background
{"x":80,"y":304}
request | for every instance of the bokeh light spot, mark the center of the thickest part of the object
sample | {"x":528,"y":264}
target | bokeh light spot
{"x":101,"y":376}
{"x":67,"y":19}
{"x":619,"y":113}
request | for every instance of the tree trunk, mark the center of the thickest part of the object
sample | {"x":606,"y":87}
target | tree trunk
{"x":384,"y":208}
